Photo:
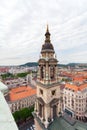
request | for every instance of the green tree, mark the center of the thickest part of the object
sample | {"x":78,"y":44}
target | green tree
{"x":16,"y":116}
{"x":23,"y":114}
{"x":22,"y":74}
{"x":7,"y":75}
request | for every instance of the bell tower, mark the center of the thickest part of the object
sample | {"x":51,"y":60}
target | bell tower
{"x":47,"y":105}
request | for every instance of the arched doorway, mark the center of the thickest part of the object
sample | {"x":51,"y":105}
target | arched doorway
{"x":54,"y":111}
{"x":40,"y":110}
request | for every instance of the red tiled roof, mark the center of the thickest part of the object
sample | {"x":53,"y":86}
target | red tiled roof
{"x":4,"y":69}
{"x":75,"y":87}
{"x":71,"y":86}
{"x":21,"y":92}
{"x":78,"y":78}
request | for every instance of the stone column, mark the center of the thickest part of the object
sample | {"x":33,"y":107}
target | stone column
{"x":37,"y":108}
{"x":51,"y":112}
{"x":43,"y":112}
{"x":46,"y":117}
{"x":44,"y":73}
{"x":56,"y":73}
{"x":39,"y":73}
{"x":49,"y":73}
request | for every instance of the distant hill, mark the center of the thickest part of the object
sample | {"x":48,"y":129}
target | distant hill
{"x":72,"y":64}
{"x":32,"y":64}
{"x":78,"y":64}
{"x":62,"y":65}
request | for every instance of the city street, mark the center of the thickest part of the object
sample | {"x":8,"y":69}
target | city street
{"x":29,"y":125}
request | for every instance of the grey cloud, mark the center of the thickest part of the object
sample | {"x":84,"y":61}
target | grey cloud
{"x":23,"y":24}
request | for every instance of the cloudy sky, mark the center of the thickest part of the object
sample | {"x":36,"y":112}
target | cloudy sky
{"x":23,"y":25}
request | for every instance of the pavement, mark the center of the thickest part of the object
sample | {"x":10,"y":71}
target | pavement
{"x":29,"y":125}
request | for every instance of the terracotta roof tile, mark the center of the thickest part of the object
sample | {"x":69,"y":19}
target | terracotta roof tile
{"x":75,"y":87}
{"x":78,"y":79}
{"x":21,"y":92}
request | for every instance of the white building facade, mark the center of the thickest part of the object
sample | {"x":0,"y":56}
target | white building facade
{"x":75,"y":101}
{"x":22,"y":103}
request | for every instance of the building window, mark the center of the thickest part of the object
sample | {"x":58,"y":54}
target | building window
{"x":72,"y":102}
{"x":53,"y":92}
{"x":79,"y":105}
{"x":79,"y":109}
{"x":41,"y":91}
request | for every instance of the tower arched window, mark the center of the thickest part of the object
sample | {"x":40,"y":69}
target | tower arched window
{"x":52,"y":72}
{"x":42,"y":72}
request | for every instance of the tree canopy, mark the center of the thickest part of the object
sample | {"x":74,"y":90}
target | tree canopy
{"x":23,"y":114}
